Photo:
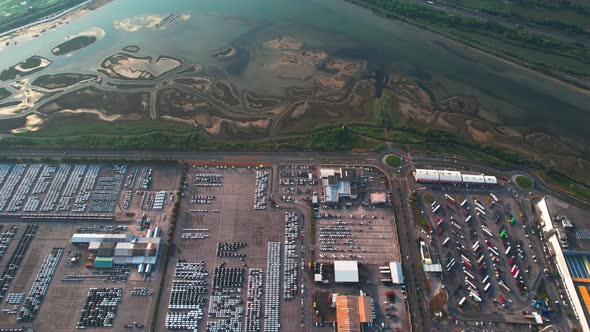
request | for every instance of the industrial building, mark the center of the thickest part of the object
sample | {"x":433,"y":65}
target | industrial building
{"x":425,"y":253}
{"x":338,"y":183}
{"x":452,"y":177}
{"x":378,"y":198}
{"x":554,"y":246}
{"x":346,"y":272}
{"x":121,"y":249}
{"x":89,"y":238}
{"x":352,"y":312}
{"x":397,"y":276}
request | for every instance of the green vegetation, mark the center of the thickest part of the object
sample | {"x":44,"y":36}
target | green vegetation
{"x":61,"y":80}
{"x":384,"y":109}
{"x":524,"y":182}
{"x":495,"y":6}
{"x":428,"y":197}
{"x":73,"y":44}
{"x":4,"y":93}
{"x":459,"y":151}
{"x":575,"y":187}
{"x":567,"y":16}
{"x":491,"y":36}
{"x":15,"y":15}
{"x":340,"y":139}
{"x":393,"y":161}
{"x":417,"y":214}
{"x":438,"y":302}
{"x":542,"y":292}
{"x":169,"y":135}
{"x":67,"y":126}
{"x":30,"y":63}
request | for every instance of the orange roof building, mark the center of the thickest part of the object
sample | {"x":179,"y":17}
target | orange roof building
{"x":352,"y":311}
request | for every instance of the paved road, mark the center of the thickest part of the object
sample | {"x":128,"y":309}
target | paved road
{"x":398,"y":183}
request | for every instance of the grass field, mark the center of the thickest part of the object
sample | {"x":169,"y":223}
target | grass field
{"x":417,"y":214}
{"x":393,"y":161}
{"x":551,"y":58}
{"x":528,"y":11}
{"x":74,"y":127}
{"x":573,"y":186}
{"x":524,"y":182}
{"x":495,"y":6}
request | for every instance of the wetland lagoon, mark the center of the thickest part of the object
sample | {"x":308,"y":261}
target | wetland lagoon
{"x":255,"y":70}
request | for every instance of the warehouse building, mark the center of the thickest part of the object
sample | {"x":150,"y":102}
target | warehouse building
{"x":425,"y":252}
{"x":561,"y":263}
{"x":346,"y":272}
{"x":397,"y":276}
{"x":120,"y":249}
{"x":378,"y":198}
{"x":88,"y":238}
{"x":339,"y":183}
{"x":353,"y":312}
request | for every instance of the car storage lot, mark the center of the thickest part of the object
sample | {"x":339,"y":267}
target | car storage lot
{"x":61,"y":308}
{"x":362,"y":234}
{"x":81,"y":189}
{"x":483,"y":243}
{"x":64,"y":300}
{"x":228,"y":196}
{"x":356,"y":229}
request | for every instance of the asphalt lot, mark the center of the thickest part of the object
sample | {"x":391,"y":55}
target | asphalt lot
{"x":478,"y":240}
{"x":236,"y":221}
{"x":400,"y":185}
{"x":62,"y":305}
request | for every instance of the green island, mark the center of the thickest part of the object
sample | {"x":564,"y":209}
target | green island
{"x":73,"y":44}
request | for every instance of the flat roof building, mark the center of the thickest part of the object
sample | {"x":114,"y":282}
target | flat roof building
{"x":121,"y":248}
{"x":426,"y":175}
{"x":450,"y":176}
{"x":346,"y":272}
{"x":397,"y":275}
{"x":561,"y":264}
{"x":444,"y":176}
{"x":378,"y":198}
{"x":338,"y":183}
{"x":87,"y":238}
{"x":352,"y":311}
{"x":425,"y":252}
{"x":475,"y":179}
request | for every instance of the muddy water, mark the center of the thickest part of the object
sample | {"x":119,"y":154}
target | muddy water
{"x":521,"y":98}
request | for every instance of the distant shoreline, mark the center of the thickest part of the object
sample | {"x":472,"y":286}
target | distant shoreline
{"x":49,"y":22}
{"x":521,"y":64}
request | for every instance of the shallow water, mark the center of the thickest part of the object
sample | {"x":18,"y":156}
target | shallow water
{"x":521,"y":98}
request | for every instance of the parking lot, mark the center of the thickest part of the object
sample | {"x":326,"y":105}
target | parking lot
{"x":61,"y":307}
{"x":357,"y":229}
{"x":45,"y":291}
{"x":483,"y":242}
{"x":233,"y":234}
